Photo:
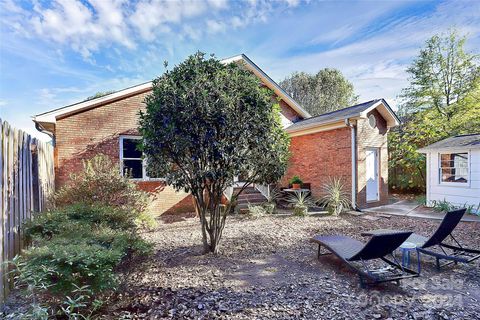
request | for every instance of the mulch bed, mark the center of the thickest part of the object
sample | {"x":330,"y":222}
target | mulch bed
{"x":268,"y":270}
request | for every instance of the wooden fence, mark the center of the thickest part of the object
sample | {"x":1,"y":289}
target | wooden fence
{"x":27,"y":181}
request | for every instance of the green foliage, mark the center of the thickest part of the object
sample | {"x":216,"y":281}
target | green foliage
{"x":421,"y":200}
{"x":206,"y":123}
{"x":77,"y":246}
{"x":99,"y":95}
{"x":326,"y":91}
{"x":441,"y":101}
{"x":296,"y":180}
{"x":300,"y":201}
{"x":271,"y":204}
{"x":100,"y":184}
{"x":256,"y":211}
{"x":442,"y":74}
{"x":336,"y":199}
{"x":443,"y":206}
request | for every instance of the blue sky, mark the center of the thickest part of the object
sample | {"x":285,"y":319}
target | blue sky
{"x":53,"y":53}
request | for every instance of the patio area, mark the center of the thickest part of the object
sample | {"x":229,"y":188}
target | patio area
{"x":411,"y":208}
{"x":268,"y":269}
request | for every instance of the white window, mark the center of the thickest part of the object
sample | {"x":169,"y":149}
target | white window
{"x":132,"y":160}
{"x":454,"y":168}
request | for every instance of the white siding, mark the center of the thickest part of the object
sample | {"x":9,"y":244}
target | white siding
{"x":458,"y":194}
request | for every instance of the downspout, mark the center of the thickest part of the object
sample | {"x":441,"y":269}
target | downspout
{"x":43,"y":130}
{"x":354,"y":162}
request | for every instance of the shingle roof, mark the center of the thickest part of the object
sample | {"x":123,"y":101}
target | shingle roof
{"x":350,"y":112}
{"x":466,"y":141}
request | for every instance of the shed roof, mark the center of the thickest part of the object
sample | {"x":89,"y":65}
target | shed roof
{"x":465,"y":141}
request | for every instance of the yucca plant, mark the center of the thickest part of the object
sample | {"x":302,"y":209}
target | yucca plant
{"x":335,"y":198}
{"x":271,"y":204}
{"x":300,"y":201}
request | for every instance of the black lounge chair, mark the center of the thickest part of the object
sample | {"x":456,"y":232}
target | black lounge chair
{"x":352,"y":251}
{"x":458,"y":253}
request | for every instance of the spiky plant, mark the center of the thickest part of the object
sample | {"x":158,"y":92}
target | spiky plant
{"x":335,"y":198}
{"x":300,"y":201}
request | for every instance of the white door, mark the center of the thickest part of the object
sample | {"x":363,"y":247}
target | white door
{"x":371,"y":161}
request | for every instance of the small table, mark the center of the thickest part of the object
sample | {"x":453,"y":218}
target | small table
{"x":291,"y":190}
{"x":405,"y":247}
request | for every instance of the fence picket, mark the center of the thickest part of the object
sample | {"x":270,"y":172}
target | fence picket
{"x":27,"y":181}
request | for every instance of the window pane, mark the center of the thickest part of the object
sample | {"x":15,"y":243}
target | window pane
{"x":454,"y":160}
{"x":134,"y":168}
{"x":130,"y":148}
{"x":454,"y":175}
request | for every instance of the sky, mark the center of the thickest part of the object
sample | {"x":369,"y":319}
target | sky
{"x":54,"y":53}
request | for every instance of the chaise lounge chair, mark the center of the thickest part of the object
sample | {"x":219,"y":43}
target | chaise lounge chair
{"x":458,"y":253}
{"x":353,"y":252}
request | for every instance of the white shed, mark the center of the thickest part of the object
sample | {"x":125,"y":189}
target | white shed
{"x":453,"y":170}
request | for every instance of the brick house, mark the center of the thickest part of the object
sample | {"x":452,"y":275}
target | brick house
{"x":322,"y":147}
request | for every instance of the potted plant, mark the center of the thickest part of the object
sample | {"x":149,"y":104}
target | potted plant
{"x":296,"y":182}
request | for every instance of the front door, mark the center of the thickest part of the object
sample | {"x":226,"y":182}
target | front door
{"x":371,"y":160}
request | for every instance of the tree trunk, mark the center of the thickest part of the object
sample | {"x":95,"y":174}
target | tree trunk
{"x":212,"y":226}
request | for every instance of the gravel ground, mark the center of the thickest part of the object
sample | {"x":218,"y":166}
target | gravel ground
{"x":268,"y":269}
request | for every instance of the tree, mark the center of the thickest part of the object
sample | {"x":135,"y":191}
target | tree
{"x":441,"y":101}
{"x":442,"y":74}
{"x":99,"y":94}
{"x":206,"y":123}
{"x":326,"y":91}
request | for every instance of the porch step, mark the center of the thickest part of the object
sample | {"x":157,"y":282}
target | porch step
{"x":250,"y":196}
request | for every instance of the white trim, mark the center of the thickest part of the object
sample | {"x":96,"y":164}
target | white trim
{"x":377,"y":158}
{"x":389,"y":110}
{"x":454,"y":184}
{"x":53,"y":115}
{"x":143,"y":159}
{"x":269,"y":82}
{"x":316,"y":128}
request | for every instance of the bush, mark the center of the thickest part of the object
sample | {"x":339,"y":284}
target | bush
{"x":100,"y":184}
{"x":300,"y":202}
{"x":335,"y":198}
{"x":296,"y":180}
{"x":77,"y":246}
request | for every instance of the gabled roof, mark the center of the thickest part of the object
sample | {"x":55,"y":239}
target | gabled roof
{"x":466,"y":141}
{"x":48,"y":119}
{"x":356,"y":111}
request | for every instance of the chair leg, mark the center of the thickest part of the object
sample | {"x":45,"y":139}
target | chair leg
{"x":363,"y":285}
{"x":438,"y":263}
{"x":319,"y":253}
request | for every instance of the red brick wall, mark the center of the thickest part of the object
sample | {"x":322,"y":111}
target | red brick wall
{"x":85,"y":134}
{"x":317,"y":157}
{"x":368,"y":137}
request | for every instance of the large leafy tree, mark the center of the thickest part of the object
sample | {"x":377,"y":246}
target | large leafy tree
{"x":442,"y":100}
{"x":204,"y":124}
{"x":442,"y":74}
{"x":326,"y":91}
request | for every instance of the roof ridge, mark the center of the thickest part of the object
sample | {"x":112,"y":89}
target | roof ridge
{"x":466,"y":135}
{"x":354,"y":106}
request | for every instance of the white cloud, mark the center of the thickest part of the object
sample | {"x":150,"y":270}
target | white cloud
{"x":3,"y":103}
{"x":215,"y":26}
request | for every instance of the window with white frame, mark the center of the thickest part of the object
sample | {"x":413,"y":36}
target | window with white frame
{"x":454,"y":167}
{"x":132,"y":161}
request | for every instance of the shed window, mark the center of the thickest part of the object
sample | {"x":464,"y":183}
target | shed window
{"x":454,"y":167}
{"x":132,"y":160}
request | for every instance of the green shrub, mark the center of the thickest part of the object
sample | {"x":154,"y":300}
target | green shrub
{"x":296,"y":180}
{"x":335,"y":198}
{"x":256,"y":211}
{"x":77,"y":246}
{"x":100,"y":184}
{"x":300,"y":202}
